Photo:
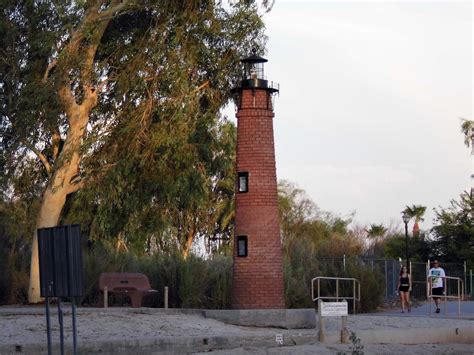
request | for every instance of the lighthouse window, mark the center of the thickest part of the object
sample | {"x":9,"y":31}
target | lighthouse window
{"x":242,"y":245}
{"x":243,"y":182}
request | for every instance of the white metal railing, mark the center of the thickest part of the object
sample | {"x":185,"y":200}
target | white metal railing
{"x":445,"y":296}
{"x":317,"y":295}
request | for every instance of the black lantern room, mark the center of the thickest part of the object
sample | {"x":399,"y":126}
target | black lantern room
{"x":253,"y":77}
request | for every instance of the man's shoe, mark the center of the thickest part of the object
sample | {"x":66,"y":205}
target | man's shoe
{"x":437,"y":310}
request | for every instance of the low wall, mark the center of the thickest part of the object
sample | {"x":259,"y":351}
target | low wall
{"x":273,"y":318}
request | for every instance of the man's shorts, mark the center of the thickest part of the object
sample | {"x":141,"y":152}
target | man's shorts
{"x":437,"y":291}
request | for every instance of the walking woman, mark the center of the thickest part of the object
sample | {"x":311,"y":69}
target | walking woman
{"x":404,"y":288}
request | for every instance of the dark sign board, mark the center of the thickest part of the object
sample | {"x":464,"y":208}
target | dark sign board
{"x":60,"y":261}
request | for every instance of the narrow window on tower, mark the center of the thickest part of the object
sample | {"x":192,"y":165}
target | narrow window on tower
{"x":243,"y":181}
{"x":242,"y":245}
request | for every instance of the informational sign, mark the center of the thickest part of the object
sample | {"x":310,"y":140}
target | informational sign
{"x":334,"y":309}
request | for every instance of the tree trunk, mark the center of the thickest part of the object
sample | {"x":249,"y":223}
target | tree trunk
{"x":416,"y":229}
{"x":82,"y":47}
{"x":48,"y":216}
{"x":188,"y":244}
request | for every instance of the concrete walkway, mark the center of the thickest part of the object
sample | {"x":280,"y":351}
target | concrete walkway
{"x":466,"y":307}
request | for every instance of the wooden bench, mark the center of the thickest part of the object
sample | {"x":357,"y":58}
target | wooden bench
{"x":134,"y":285}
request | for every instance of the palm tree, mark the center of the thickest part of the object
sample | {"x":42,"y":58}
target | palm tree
{"x":376,"y":231}
{"x":416,"y":212}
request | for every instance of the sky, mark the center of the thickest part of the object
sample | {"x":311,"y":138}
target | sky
{"x":371,"y":95}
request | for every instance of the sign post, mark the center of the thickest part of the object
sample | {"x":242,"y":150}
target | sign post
{"x":332,"y":309}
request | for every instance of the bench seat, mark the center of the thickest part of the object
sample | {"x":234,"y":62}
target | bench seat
{"x":134,"y":285}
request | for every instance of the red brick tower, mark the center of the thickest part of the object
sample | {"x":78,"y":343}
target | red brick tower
{"x":258,"y":271}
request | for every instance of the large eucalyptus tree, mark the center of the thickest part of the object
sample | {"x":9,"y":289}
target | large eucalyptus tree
{"x":114,"y":105}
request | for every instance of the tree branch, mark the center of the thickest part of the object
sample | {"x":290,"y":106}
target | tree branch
{"x":76,"y":184}
{"x":56,"y":141}
{"x":40,"y":155}
{"x":113,"y":9}
{"x":67,"y":98}
{"x":48,"y":70}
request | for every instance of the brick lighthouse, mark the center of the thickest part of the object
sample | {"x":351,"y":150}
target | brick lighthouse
{"x":257,"y":270}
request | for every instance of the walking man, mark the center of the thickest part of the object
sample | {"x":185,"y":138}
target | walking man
{"x":436,"y":279}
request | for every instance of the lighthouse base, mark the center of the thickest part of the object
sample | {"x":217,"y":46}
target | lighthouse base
{"x":273,"y":318}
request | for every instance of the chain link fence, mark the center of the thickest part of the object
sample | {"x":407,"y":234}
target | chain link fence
{"x":390,"y":270}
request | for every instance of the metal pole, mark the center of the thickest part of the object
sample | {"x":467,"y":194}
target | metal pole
{"x":406,"y":246}
{"x":48,"y":325}
{"x":74,"y":335}
{"x":337,"y":290}
{"x":61,"y":329}
{"x":319,"y":289}
{"x":166,"y":297}
{"x":470,"y":283}
{"x":465,"y":274}
{"x":386,"y":279}
{"x":394,"y":282}
{"x":428,"y":291}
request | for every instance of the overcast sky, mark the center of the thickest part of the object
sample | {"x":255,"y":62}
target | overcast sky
{"x":371,"y":95}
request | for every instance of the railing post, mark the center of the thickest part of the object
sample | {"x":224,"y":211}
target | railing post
{"x":446,"y":298}
{"x":359,"y":291}
{"x":470,"y":283}
{"x":319,"y":289}
{"x":465,"y":274}
{"x":353,"y":297}
{"x":459,"y":298}
{"x":166,"y":297}
{"x":337,"y":290}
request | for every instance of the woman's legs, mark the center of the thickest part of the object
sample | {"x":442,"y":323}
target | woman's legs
{"x":402,"y":301}
{"x":407,"y":300}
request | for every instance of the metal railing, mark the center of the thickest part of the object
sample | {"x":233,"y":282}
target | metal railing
{"x":355,"y":290}
{"x":446,"y":296}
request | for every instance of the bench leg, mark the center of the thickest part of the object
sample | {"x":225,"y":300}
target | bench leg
{"x":106,"y":297}
{"x":136,"y":299}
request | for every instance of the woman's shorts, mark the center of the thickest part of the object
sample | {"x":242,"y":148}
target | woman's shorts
{"x":403,"y":288}
{"x":437,"y":291}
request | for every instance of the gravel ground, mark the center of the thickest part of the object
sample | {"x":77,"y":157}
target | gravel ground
{"x":27,"y":325}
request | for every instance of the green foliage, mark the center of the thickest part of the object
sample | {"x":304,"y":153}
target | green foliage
{"x":372,"y":285}
{"x":155,"y":155}
{"x":416,"y":212}
{"x":453,"y":232}
{"x":314,"y":243}
{"x":419,"y":248}
{"x":376,"y":230}
{"x":192,"y":282}
{"x":356,"y":348}
{"x":16,"y":228}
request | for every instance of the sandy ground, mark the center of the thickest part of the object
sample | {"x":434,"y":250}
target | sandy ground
{"x":23,"y":326}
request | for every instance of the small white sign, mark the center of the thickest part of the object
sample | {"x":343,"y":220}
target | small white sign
{"x":334,"y":309}
{"x":279,"y":339}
